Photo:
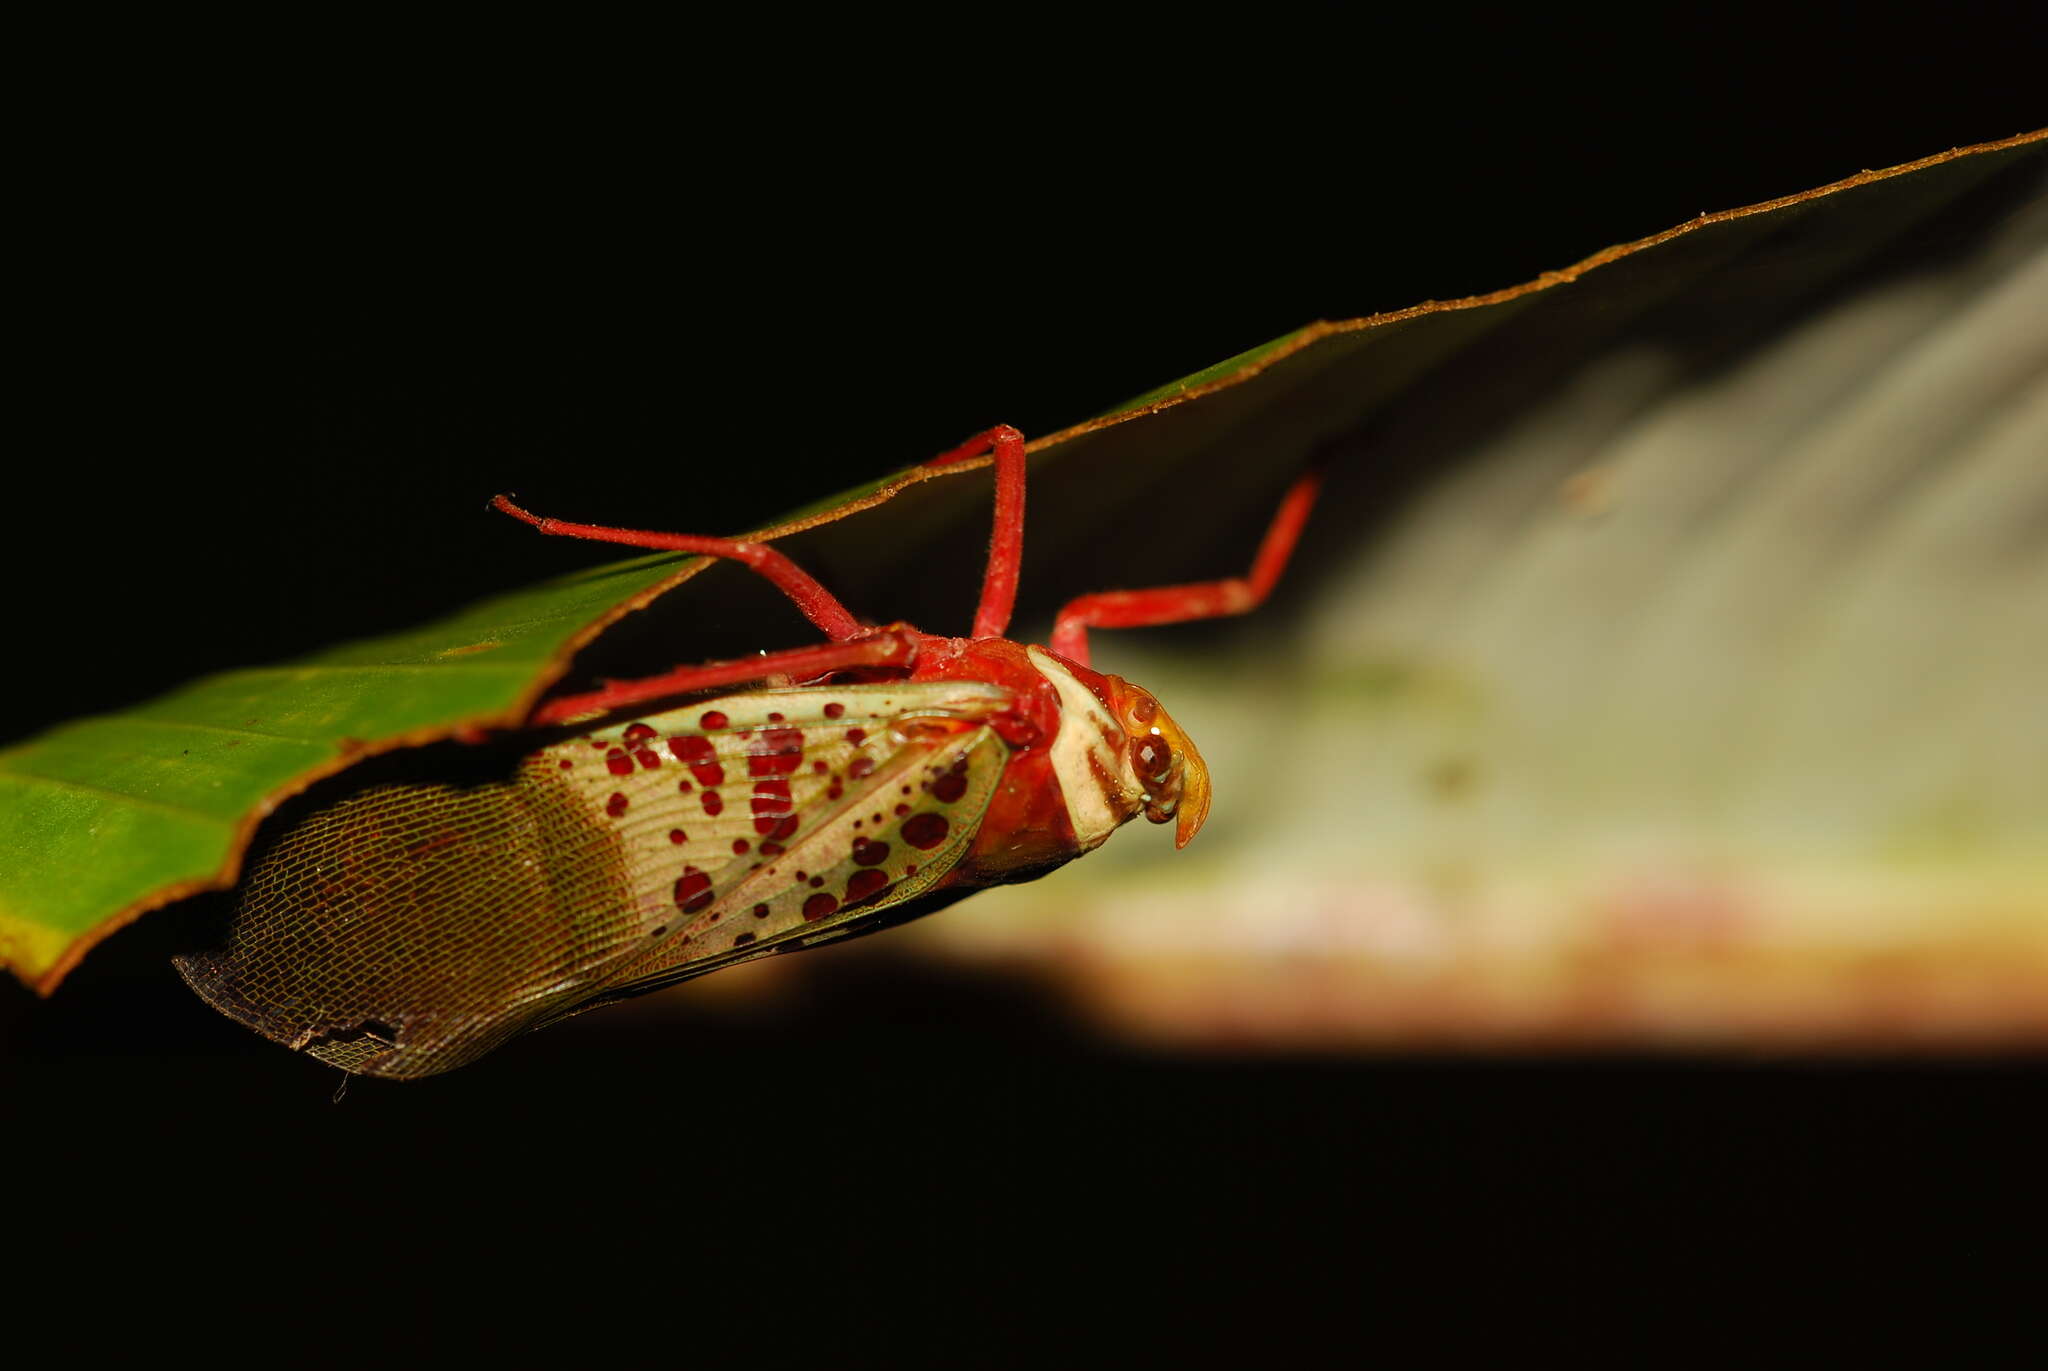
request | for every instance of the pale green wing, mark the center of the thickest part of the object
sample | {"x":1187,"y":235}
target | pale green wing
{"x":871,"y":851}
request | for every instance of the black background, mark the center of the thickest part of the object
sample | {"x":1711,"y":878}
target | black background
{"x":292,"y":323}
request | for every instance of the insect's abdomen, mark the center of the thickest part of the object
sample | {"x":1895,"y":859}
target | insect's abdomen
{"x":448,"y":917}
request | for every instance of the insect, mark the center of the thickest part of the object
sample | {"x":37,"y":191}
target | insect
{"x":412,"y":927}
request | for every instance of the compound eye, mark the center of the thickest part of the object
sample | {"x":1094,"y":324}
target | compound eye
{"x":1152,"y":759}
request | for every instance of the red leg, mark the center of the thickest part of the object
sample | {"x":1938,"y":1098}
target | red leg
{"x":887,"y":647}
{"x":1006,"y":547}
{"x":1200,"y":600}
{"x":817,"y":604}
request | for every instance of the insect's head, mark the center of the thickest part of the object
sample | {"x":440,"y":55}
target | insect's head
{"x":1101,"y":749}
{"x":1173,"y":779}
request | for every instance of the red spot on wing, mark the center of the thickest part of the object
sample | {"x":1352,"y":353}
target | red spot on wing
{"x":868,"y":852}
{"x":678,"y":837}
{"x":818,"y":906}
{"x":693,"y":890}
{"x":739,"y":847}
{"x":760,"y":911}
{"x":925,"y":831}
{"x":833,"y":711}
{"x":953,"y":784}
{"x":772,"y":805}
{"x":638,"y":736}
{"x":713,"y":802}
{"x":616,"y":805}
{"x":859,"y":767}
{"x":568,"y":765}
{"x":618,"y":763}
{"x":696,"y":752}
{"x":865,"y":885}
{"x":777,"y":752}
{"x":856,"y":736}
{"x":713,"y":718}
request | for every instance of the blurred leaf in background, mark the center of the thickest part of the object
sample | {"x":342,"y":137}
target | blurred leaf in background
{"x":1688,"y":688}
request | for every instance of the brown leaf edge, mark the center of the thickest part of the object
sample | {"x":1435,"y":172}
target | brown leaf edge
{"x":1225,"y":374}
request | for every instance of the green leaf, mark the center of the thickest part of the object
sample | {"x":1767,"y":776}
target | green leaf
{"x":108,"y":816}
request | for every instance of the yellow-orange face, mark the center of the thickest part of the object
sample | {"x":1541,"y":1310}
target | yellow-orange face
{"x":1162,"y":760}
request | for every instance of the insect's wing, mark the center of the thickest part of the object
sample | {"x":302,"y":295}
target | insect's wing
{"x":862,"y":847}
{"x":411,"y":928}
{"x":758,"y":821}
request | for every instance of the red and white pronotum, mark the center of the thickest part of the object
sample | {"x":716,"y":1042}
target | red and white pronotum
{"x":412,"y":927}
